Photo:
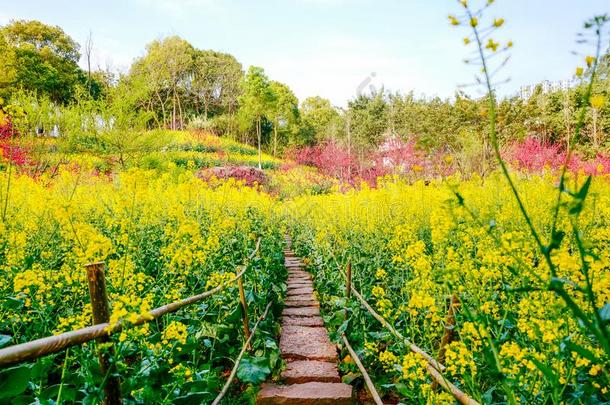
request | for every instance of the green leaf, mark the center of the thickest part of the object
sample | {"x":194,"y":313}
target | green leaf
{"x":14,"y":381}
{"x":253,"y":370}
{"x":4,"y":340}
{"x":403,"y":389}
{"x":236,"y":315}
{"x":546,"y":370}
{"x":12,"y":303}
{"x":350,"y":377}
{"x":193,"y":398}
{"x":583,"y":352}
{"x":68,"y":394}
{"x":556,"y":239}
{"x":580,"y":197}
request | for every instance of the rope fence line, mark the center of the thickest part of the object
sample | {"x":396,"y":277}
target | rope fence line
{"x":246,"y":345}
{"x":52,"y":344}
{"x":102,"y":330}
{"x":433,"y":367}
{"x":365,"y":375}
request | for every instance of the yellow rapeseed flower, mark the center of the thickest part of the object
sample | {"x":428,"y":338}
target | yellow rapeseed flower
{"x":597,"y":101}
{"x":493,"y":45}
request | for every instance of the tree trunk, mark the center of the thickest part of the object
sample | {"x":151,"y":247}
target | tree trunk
{"x":258,"y":135}
{"x":180,"y":112}
{"x":162,"y":108}
{"x":205,"y":106}
{"x":275,"y":139}
{"x":174,"y":110}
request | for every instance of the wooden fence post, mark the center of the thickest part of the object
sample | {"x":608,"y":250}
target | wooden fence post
{"x":449,"y":334}
{"x":244,"y":307}
{"x":101,"y":314}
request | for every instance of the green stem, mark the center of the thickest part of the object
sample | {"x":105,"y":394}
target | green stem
{"x":63,"y":374}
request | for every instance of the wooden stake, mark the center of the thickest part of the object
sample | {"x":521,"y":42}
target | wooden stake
{"x":449,"y":335}
{"x":101,"y":314}
{"x":244,"y":307}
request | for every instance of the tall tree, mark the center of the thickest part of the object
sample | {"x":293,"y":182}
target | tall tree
{"x":216,"y":82}
{"x":255,"y":102}
{"x":369,"y":120}
{"x":167,"y":68}
{"x":44,"y":59}
{"x":319,"y":120}
{"x":284,"y":112}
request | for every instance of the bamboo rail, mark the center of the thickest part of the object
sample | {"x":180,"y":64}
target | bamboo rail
{"x":246,"y":345}
{"x":413,"y":347}
{"x":365,"y":375}
{"x":52,"y":344}
{"x":434,"y":368}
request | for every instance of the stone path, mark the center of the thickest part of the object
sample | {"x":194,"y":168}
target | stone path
{"x":311,"y":375}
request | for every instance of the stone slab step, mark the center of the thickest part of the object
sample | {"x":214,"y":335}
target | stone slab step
{"x":298,"y":303}
{"x":302,"y":371}
{"x":302,"y":284}
{"x":306,"y":343}
{"x":299,"y":275}
{"x":318,"y":393}
{"x":302,"y":321}
{"x":301,"y":311}
{"x":299,"y":291}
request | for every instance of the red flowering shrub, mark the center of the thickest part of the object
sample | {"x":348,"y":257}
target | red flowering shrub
{"x":330,"y":159}
{"x":535,"y":156}
{"x":16,"y":154}
{"x":250,"y":176}
{"x":393,"y":156}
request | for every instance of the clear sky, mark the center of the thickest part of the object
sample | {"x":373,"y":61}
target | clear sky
{"x":329,"y":47}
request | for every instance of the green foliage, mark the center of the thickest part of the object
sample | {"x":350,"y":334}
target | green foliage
{"x":253,"y":370}
{"x":40,"y":58}
{"x":216,"y":82}
{"x":284,"y":113}
{"x":320,"y":121}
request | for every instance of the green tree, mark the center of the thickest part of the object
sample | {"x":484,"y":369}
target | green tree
{"x":368,"y":120}
{"x":284,"y":112}
{"x":167,"y":69}
{"x":216,"y":82}
{"x":44,"y":59}
{"x":320,"y":121}
{"x":7,"y":68}
{"x":255,"y":103}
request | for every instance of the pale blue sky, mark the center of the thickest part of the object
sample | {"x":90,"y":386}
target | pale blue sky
{"x":328,"y":47}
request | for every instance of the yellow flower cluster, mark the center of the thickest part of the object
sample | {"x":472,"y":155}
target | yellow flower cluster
{"x":217,"y":279}
{"x":417,"y":245}
{"x":388,"y":359}
{"x":175,"y":331}
{"x":459,"y":360}
{"x":413,"y":367}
